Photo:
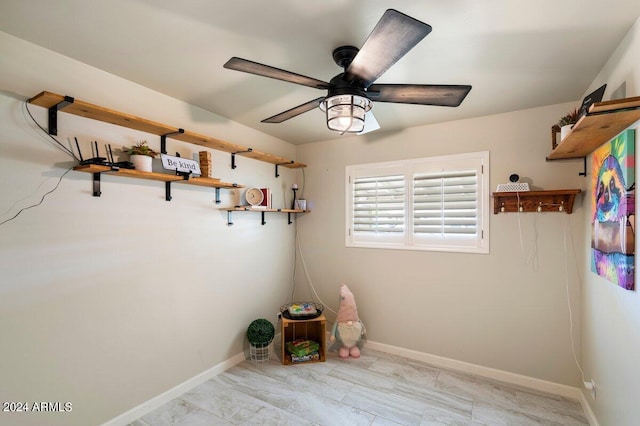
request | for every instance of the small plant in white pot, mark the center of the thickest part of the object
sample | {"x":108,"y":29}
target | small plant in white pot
{"x":141,"y":155}
{"x":567,"y":122}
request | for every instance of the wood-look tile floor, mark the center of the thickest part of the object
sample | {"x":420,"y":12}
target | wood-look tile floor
{"x":376,"y":389}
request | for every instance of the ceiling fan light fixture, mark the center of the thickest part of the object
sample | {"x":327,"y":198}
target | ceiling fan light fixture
{"x":346,"y":113}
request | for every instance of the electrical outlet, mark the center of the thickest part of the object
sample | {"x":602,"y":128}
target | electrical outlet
{"x":591,"y":385}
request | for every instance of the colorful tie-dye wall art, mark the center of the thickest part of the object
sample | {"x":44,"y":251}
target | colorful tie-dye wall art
{"x":613,"y":224}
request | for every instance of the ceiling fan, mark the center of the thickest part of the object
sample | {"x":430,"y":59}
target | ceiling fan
{"x":350,"y":94}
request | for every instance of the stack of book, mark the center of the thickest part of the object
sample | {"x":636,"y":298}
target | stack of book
{"x":206,"y":165}
{"x":266,"y":197}
{"x":303,"y":350}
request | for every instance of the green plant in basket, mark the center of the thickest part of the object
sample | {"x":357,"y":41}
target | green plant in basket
{"x":260,"y":332}
{"x":140,"y":148}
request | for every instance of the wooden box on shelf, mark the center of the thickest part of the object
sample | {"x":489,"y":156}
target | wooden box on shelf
{"x":312,"y":329}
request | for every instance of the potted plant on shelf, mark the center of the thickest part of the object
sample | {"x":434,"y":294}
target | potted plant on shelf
{"x":141,"y":155}
{"x":567,"y":122}
{"x":260,"y":334}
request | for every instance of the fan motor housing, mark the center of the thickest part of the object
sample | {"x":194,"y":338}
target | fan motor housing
{"x":343,"y":55}
{"x":340,"y":86}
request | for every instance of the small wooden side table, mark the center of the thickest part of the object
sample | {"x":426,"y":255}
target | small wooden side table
{"x":312,"y":329}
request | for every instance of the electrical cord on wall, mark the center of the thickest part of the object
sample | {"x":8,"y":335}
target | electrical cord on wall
{"x":60,"y":146}
{"x":298,"y":250}
{"x":308,"y":277}
{"x":41,"y":199}
{"x":295,"y":261}
{"x":520,"y":226}
{"x":295,"y":248}
{"x":566,"y":268}
{"x":532,"y":257}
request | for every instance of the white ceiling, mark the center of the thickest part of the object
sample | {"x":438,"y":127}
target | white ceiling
{"x":515,"y":54}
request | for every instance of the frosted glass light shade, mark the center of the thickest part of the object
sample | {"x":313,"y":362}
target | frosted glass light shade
{"x":346,"y":113}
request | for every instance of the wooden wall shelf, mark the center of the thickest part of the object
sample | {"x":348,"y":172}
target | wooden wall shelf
{"x":162,"y":177}
{"x":535,"y":201}
{"x":229,"y":211}
{"x":97,"y":170}
{"x":602,"y":123}
{"x":70,"y":105}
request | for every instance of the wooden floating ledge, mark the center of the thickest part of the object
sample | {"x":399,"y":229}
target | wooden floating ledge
{"x":604,"y":121}
{"x":162,"y":177}
{"x":560,"y":200}
{"x":253,"y":209}
{"x":87,"y":110}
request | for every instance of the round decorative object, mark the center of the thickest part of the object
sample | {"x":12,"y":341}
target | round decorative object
{"x":260,"y":332}
{"x":514,"y":178}
{"x":254,"y":196}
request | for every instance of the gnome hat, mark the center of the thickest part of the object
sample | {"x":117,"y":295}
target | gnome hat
{"x":347,"y":310}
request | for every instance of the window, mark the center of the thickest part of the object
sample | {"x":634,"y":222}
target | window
{"x":436,"y":203}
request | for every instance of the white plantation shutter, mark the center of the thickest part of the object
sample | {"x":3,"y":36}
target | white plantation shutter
{"x":438,"y":203}
{"x":445,"y":203}
{"x":379,"y":204}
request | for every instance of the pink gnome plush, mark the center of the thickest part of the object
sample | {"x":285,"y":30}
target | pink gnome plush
{"x":348,"y":330}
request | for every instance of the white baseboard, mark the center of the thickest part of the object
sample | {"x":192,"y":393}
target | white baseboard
{"x":490,"y":373}
{"x":588,"y":412}
{"x":156,"y":402}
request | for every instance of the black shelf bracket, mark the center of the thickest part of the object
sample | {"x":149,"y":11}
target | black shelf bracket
{"x":167,"y":185}
{"x":282,"y":164}
{"x":289,"y":222}
{"x":229,"y":221}
{"x":218,"y":200}
{"x":96,"y":180}
{"x":96,"y":185}
{"x":263,"y":221}
{"x":167,"y":191}
{"x":53,"y":114}
{"x":163,"y":140}
{"x":233,"y":156}
{"x":584,"y":173}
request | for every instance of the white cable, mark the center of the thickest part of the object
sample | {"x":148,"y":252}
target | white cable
{"x":520,"y":226}
{"x":566,"y":268}
{"x":306,"y":273}
{"x":298,"y":249}
{"x":533,"y":253}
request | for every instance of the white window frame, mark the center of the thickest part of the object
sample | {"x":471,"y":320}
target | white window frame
{"x":404,"y":238}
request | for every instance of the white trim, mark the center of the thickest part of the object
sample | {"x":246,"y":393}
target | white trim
{"x":405,"y":238}
{"x":146,"y":407}
{"x":588,"y":411}
{"x":487,"y":372}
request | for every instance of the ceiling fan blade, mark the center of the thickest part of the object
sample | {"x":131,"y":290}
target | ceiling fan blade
{"x":423,"y":94}
{"x":293,"y":112}
{"x":251,"y":67}
{"x":370,"y":123}
{"x":393,"y":36}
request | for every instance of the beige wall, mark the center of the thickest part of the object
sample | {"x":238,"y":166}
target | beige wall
{"x":611,"y":315}
{"x":108,"y":302}
{"x":506,"y":310}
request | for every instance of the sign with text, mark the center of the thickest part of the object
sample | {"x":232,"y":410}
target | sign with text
{"x":179,"y":164}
